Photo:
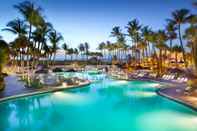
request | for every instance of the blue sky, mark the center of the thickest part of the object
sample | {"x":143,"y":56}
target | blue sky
{"x":92,"y":20}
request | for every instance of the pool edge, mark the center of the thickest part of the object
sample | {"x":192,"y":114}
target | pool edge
{"x":176,"y":99}
{"x":41,"y":92}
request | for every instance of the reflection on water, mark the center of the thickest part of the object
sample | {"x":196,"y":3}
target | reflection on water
{"x":141,"y":94}
{"x":106,"y":105}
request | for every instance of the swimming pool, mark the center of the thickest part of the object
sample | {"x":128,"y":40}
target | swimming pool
{"x":107,"y":105}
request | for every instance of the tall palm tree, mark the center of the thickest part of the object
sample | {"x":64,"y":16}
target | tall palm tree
{"x":133,"y":28}
{"x":71,"y":52}
{"x":190,"y":35}
{"x":65,"y":48}
{"x":142,"y":46}
{"x":39,"y":36}
{"x":147,"y":34}
{"x":76,"y":52}
{"x":86,"y":46}
{"x":160,"y":39}
{"x":179,"y":17}
{"x":171,"y":33}
{"x":4,"y":57}
{"x":120,"y":44}
{"x":19,"y":28}
{"x":101,"y":47}
{"x":81,"y":48}
{"x":176,"y":49}
{"x":108,"y":47}
{"x":21,"y":43}
{"x":31,"y":13}
{"x":55,"y":38}
{"x":16,"y":26}
{"x":116,"y":32}
{"x":120,"y":40}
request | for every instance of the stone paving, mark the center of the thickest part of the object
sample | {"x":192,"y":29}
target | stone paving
{"x":178,"y":93}
{"x":14,"y":87}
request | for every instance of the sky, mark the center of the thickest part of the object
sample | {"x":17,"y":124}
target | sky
{"x":92,"y":20}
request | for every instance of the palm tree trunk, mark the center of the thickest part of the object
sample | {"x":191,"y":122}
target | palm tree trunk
{"x":54,"y":59}
{"x":170,"y":48}
{"x":181,"y":43}
{"x":176,"y":59}
{"x":194,"y":57}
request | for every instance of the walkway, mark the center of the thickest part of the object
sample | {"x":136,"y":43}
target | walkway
{"x":14,"y":87}
{"x":178,"y":94}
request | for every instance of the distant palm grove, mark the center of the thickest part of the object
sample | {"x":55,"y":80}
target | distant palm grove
{"x":37,"y":40}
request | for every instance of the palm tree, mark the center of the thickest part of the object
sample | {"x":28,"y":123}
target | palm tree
{"x":81,"y":48}
{"x":190,"y":35}
{"x":55,"y":38}
{"x":19,"y":28}
{"x":142,"y":46}
{"x":179,"y":17}
{"x":116,"y":32}
{"x":71,"y":52}
{"x":16,"y":26}
{"x":4,"y":56}
{"x":120,"y":40}
{"x":65,"y":48}
{"x":176,"y":49}
{"x":133,"y":29}
{"x":160,"y":39}
{"x":76,"y":52}
{"x":39,"y":36}
{"x":171,"y":33}
{"x":86,"y":46}
{"x":31,"y":13}
{"x":101,"y":47}
{"x":120,"y":44}
{"x":147,"y":34}
{"x":20,"y":44}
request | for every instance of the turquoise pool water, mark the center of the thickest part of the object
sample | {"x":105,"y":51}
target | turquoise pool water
{"x":106,"y":105}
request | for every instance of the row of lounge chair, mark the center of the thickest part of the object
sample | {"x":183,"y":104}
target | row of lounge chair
{"x":144,"y":74}
{"x":172,"y":77}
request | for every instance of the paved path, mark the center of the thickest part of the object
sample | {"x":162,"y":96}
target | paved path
{"x":14,"y":87}
{"x":178,"y":93}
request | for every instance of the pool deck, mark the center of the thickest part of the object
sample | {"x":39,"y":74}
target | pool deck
{"x":174,"y":91}
{"x":178,"y":94}
{"x":16,"y":88}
